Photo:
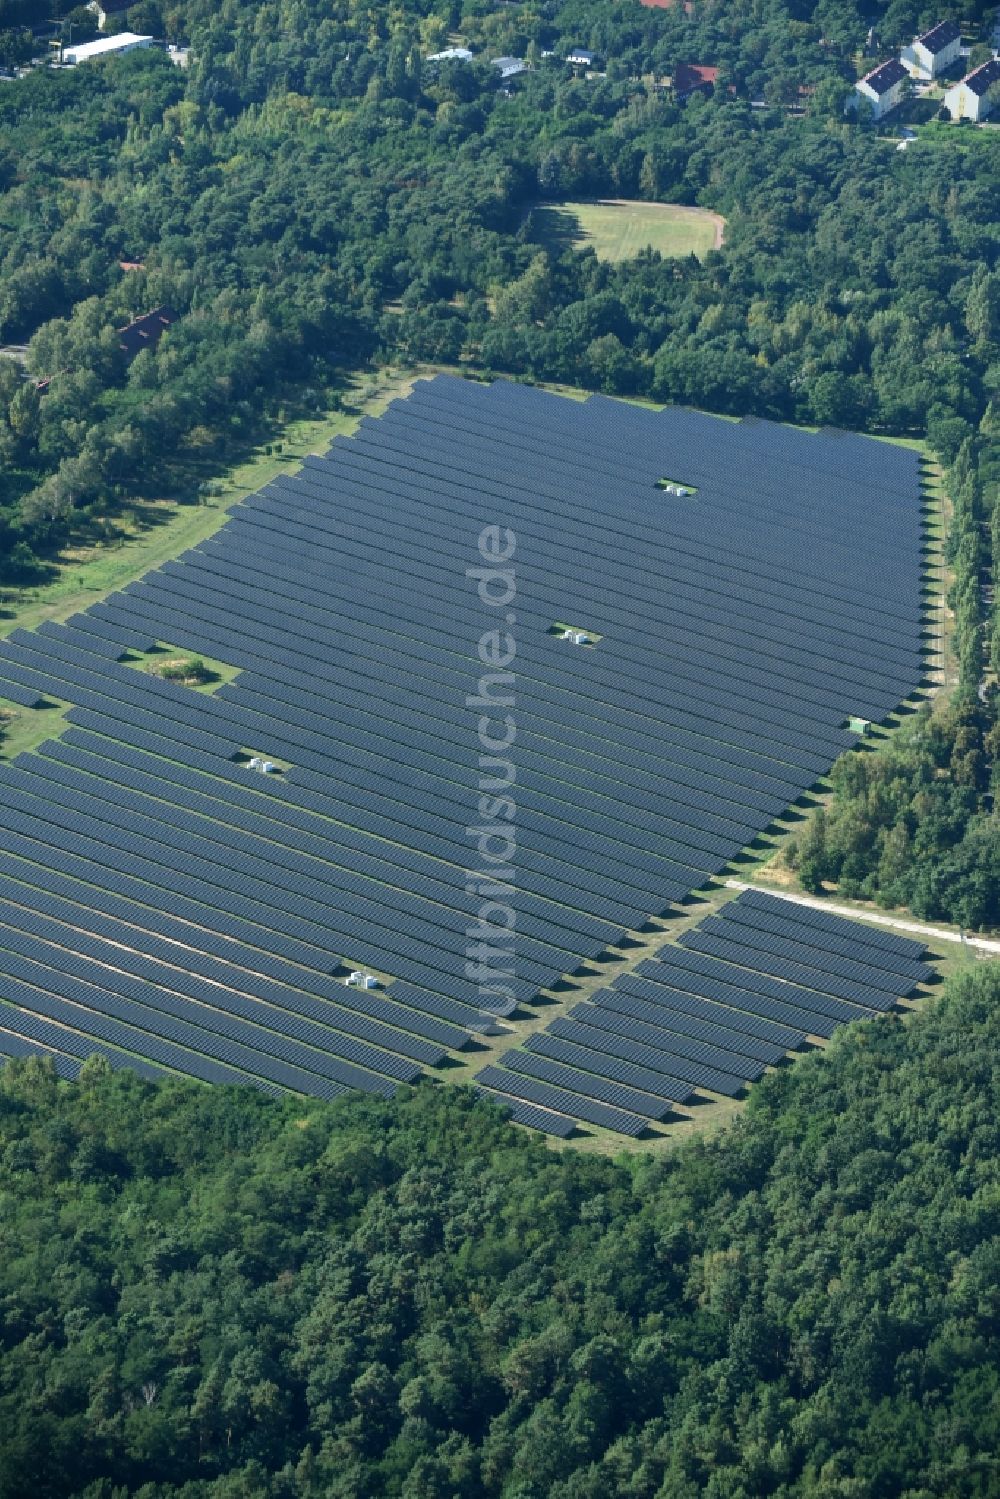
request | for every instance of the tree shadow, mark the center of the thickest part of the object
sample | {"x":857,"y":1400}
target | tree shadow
{"x":555,"y":228}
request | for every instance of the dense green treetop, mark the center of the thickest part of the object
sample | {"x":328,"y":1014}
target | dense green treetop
{"x":206,"y":1292}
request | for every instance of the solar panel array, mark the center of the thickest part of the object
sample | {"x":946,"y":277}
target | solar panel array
{"x":192,"y":911}
{"x":682,"y":1025}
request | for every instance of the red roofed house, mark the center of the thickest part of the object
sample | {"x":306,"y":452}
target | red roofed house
{"x":692,"y":77}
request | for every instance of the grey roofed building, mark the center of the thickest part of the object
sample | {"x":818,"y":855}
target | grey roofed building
{"x":984,"y":77}
{"x":509,"y":67}
{"x":882,"y":87}
{"x":104,"y":46}
{"x":940,"y":36}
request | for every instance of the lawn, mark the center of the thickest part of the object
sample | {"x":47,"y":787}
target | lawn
{"x":619,"y":229}
{"x":24,"y":729}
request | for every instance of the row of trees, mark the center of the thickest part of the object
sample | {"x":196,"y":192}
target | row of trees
{"x":914,"y":823}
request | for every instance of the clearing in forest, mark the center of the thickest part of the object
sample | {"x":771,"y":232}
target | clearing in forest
{"x":620,"y":229}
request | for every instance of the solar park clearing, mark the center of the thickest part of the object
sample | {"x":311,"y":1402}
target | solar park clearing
{"x":268,"y":884}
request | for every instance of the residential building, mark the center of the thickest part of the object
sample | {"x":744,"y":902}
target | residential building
{"x":976,"y":94}
{"x":579,"y":57}
{"x":930,"y":54}
{"x":882,"y":87}
{"x":694,"y":77}
{"x":509,"y":67}
{"x":105,"y":46}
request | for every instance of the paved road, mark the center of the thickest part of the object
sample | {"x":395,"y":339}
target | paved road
{"x":917,"y":928}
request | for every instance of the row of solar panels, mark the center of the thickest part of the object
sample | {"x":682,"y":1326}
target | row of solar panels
{"x":148,"y":879}
{"x":358,"y":461}
{"x":876,"y":941}
{"x":842,"y":455}
{"x":215,"y":591}
{"x":632,"y":852}
{"x":323,"y":483}
{"x":73,"y":778}
{"x":585,"y":465}
{"x":223,"y":1064}
{"x":886,"y":968}
{"x":367,"y":644}
{"x":178,"y":784}
{"x":34,"y":972}
{"x":99,"y":893}
{"x":162,"y":595}
{"x":783,"y":468}
{"x":720,"y":939}
{"x":357,"y":567}
{"x":702,"y":593}
{"x":317,"y":1022}
{"x":824,"y":667}
{"x":447,"y":685}
{"x":830,"y":451}
{"x":25,"y":1035}
{"x":676,"y":1025}
{"x":292,"y":808}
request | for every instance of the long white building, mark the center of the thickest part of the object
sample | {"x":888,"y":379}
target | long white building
{"x":105,"y":46}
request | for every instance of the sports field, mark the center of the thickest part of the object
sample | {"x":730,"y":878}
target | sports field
{"x":619,"y":229}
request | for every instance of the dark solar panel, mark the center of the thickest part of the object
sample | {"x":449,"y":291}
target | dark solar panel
{"x":527,"y":1113}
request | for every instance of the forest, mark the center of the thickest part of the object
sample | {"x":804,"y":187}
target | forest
{"x":309,"y":195}
{"x":207,"y":1293}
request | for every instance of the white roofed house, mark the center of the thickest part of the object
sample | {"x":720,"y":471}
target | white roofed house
{"x":933,"y":52}
{"x":883,"y":86}
{"x":450,"y":54}
{"x":977,"y":93}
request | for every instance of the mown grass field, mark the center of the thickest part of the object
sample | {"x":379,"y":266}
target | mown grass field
{"x":620,"y":229}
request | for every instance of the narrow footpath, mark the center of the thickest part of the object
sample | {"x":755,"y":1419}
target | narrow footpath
{"x":917,"y":928}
